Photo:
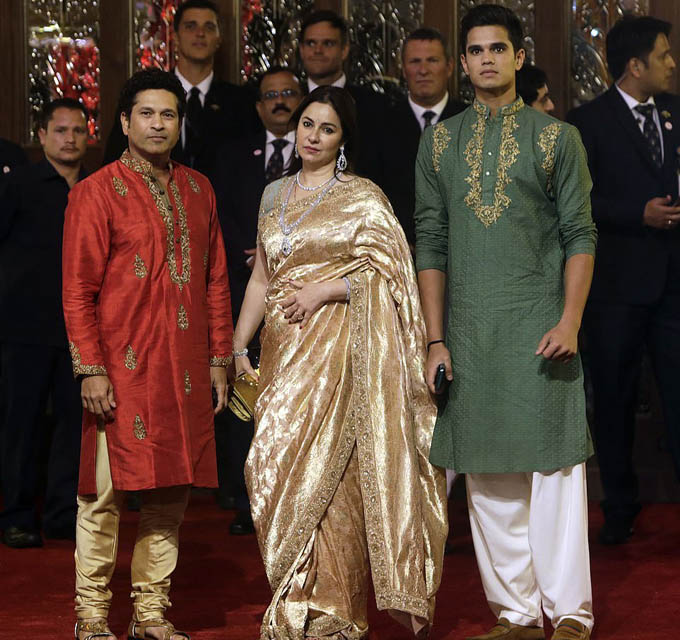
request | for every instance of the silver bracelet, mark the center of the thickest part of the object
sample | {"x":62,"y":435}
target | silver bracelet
{"x":240,"y":354}
{"x":349,"y":288}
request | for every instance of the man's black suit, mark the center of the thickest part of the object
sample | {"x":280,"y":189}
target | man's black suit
{"x":228,"y":113}
{"x":397,"y":159}
{"x":11,"y":155}
{"x":239,"y":180}
{"x":635,"y":296}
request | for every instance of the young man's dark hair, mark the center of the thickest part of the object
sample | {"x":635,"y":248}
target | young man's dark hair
{"x":326,"y":16}
{"x":427,"y":33}
{"x":486,"y":15}
{"x":633,"y":37}
{"x":61,"y":103}
{"x":529,"y":80}
{"x":194,"y":4}
{"x":273,"y":70}
{"x":151,"y":79}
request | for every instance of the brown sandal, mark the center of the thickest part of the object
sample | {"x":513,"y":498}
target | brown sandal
{"x":97,"y":627}
{"x":137,"y":630}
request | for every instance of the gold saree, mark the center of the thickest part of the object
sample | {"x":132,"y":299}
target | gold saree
{"x":338,"y":471}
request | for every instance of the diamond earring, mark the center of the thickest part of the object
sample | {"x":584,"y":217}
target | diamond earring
{"x":341,"y":163}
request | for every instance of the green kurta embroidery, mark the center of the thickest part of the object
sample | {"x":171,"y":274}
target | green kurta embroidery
{"x":524,"y":175}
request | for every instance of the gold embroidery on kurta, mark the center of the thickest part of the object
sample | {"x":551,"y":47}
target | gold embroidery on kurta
{"x":140,"y":268}
{"x":119,"y":186}
{"x":221,"y":361}
{"x":187,"y":382}
{"x":440,"y":141}
{"x":130,"y":358}
{"x":547,"y":140}
{"x":507,"y":156}
{"x":139,"y":429}
{"x":205,"y":259}
{"x":84,"y":369}
{"x":192,"y":183}
{"x":164,"y":208}
{"x":182,"y":318}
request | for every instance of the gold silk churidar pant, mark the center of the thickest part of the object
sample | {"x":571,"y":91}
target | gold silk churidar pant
{"x":156,"y":547}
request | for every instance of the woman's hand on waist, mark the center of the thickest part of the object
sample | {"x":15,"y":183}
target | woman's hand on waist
{"x":309,"y":298}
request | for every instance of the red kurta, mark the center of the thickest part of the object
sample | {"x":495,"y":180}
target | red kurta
{"x":146,"y":302}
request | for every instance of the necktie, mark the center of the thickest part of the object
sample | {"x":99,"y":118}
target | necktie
{"x":274,"y":169}
{"x":650,"y":131}
{"x":428,"y":116}
{"x":192,"y":131}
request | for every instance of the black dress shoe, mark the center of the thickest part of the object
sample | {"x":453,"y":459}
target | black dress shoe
{"x":21,"y":538}
{"x":242,"y":524}
{"x":616,"y":530}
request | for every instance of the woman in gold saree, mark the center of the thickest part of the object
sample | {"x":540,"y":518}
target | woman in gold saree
{"x":338,"y":472}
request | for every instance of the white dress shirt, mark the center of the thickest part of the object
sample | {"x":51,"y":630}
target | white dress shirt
{"x":287,"y":151}
{"x":640,"y":119}
{"x":418,"y":111}
{"x":203,"y":88}
{"x":340,"y":82}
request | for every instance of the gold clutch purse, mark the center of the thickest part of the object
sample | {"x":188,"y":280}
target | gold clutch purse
{"x":243,"y":396}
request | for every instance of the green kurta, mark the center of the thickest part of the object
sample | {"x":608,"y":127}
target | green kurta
{"x":501,"y":203}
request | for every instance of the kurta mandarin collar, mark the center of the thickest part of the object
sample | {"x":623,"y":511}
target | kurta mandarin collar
{"x":141,"y":166}
{"x":507,"y":110}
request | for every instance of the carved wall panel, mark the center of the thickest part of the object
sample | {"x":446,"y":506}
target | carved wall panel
{"x":377,"y":32}
{"x":62,"y":57}
{"x":269,"y":34}
{"x":591,"y":21}
{"x":525,"y":10}
{"x":153,"y":37}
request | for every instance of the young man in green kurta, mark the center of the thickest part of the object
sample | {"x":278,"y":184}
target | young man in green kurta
{"x":503,"y":215}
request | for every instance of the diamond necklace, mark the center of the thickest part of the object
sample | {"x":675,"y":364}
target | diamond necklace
{"x":287,"y":229}
{"x":302,"y":186}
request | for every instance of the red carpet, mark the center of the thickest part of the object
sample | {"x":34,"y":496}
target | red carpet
{"x":220,"y":591}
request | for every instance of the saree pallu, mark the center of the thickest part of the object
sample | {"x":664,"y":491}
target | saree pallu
{"x":338,"y":471}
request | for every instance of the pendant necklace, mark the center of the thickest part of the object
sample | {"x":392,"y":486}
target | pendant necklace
{"x":287,"y":229}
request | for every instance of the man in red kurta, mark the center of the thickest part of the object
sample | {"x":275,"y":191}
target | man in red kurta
{"x":147,"y":310}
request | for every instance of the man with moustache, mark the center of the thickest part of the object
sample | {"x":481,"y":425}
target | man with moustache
{"x":532,"y":85}
{"x":216,"y":110}
{"x":503,"y":219}
{"x":324,"y":47}
{"x":632,"y":136}
{"x":427,"y":65}
{"x":243,"y":169}
{"x":146,"y":304}
{"x":35,"y":361}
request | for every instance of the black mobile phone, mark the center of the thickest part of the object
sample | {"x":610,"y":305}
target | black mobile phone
{"x":439,"y":379}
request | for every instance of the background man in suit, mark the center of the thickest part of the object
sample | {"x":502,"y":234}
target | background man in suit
{"x":216,"y":110}
{"x":427,"y":67}
{"x":632,"y":147}
{"x":324,"y":47}
{"x":35,"y":358}
{"x":532,"y":85}
{"x":243,"y":170}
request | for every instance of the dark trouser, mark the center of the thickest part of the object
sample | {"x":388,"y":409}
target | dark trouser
{"x":30,"y":374}
{"x":617,"y":335}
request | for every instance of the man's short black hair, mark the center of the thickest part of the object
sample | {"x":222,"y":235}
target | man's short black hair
{"x":195,"y":4}
{"x":427,"y":33}
{"x":529,"y":80}
{"x":325,"y":15}
{"x":272,"y":71}
{"x":633,"y":37}
{"x":61,"y":103}
{"x":486,"y":15}
{"x":151,"y":79}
